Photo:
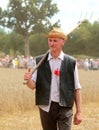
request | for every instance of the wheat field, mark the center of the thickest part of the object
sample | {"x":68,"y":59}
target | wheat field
{"x":17,"y":102}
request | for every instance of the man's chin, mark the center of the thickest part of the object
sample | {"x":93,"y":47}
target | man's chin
{"x":53,"y":49}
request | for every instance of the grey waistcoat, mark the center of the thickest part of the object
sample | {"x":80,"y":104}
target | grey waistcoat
{"x":66,"y":87}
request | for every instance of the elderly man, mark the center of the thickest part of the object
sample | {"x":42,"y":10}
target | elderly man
{"x":57,"y":85}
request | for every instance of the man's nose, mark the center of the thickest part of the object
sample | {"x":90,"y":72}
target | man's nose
{"x":52,"y":42}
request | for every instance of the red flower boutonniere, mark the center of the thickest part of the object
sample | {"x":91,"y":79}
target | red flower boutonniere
{"x":57,"y":72}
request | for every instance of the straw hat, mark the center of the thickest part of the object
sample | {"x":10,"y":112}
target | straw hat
{"x":56,"y":33}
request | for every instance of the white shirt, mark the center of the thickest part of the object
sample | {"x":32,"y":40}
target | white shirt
{"x":54,"y":65}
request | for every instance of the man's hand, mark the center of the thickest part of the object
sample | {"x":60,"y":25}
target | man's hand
{"x":28,"y":75}
{"x":77,"y":118}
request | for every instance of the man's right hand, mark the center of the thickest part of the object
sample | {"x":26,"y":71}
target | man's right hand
{"x":28,"y":75}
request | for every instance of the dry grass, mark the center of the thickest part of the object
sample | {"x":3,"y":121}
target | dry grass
{"x":17,"y":109}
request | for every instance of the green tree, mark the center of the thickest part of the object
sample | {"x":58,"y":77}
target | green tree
{"x":28,"y":17}
{"x":39,"y":42}
{"x":15,"y":43}
{"x":79,"y":39}
{"x":94,"y":42}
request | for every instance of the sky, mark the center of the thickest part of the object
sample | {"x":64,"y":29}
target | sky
{"x":72,"y":11}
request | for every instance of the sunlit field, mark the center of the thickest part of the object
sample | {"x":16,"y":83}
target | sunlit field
{"x":17,"y":102}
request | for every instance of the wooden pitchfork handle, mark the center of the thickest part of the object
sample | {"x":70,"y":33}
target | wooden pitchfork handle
{"x":39,"y":63}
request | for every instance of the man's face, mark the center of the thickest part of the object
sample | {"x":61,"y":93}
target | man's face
{"x":55,"y":44}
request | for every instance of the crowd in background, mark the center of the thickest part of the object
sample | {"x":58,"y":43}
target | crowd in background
{"x":20,"y":62}
{"x":23,"y":62}
{"x":88,"y":64}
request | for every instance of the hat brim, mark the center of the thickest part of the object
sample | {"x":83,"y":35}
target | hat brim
{"x":57,"y":35}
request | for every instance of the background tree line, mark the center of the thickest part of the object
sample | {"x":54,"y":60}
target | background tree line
{"x":30,"y":20}
{"x":84,"y":41}
{"x":27,"y":17}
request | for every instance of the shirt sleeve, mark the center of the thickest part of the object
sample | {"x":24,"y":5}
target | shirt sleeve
{"x":34,"y":75}
{"x":76,"y":78}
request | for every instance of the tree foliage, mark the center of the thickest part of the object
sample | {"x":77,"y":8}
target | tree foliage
{"x":83,"y":41}
{"x":28,"y":17}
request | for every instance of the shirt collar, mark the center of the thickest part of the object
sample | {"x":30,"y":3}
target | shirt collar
{"x":61,"y":56}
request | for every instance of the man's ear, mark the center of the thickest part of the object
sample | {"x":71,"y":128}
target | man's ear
{"x":63,"y":42}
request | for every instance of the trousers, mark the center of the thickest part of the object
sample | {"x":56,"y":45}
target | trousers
{"x":58,"y":117}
